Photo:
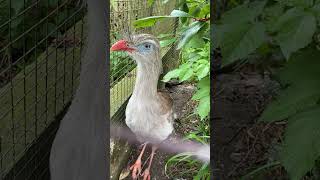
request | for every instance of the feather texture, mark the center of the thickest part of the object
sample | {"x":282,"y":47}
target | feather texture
{"x":149,"y":113}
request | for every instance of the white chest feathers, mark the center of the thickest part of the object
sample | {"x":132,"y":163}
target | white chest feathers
{"x":144,"y":119}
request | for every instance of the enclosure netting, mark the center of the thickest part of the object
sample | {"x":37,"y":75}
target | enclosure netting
{"x":41,"y":42}
{"x":40,"y":46}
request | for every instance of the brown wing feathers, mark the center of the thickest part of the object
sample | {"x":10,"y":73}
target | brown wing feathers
{"x":166,"y":101}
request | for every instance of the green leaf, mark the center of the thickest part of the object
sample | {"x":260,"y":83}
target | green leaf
{"x":203,"y":72}
{"x":301,"y":145}
{"x":189,"y":33}
{"x":203,"y":173}
{"x":285,"y":105}
{"x":205,"y":11}
{"x":239,"y":40}
{"x":167,"y":42}
{"x":294,"y":30}
{"x":195,"y":42}
{"x":193,"y":136}
{"x":150,"y":2}
{"x":203,"y":108}
{"x":301,"y":74}
{"x":193,"y":56}
{"x":243,"y":13}
{"x":181,"y":3}
{"x":297,"y":3}
{"x":203,"y":61}
{"x":178,"y":13}
{"x":272,"y":13}
{"x":187,"y":75}
{"x":196,"y":11}
{"x":302,"y":68}
{"x":184,"y":8}
{"x":185,"y":68}
{"x":148,"y":21}
{"x":201,"y":93}
{"x":171,"y":74}
{"x":204,"y":83}
{"x":265,"y":49}
{"x":203,"y":53}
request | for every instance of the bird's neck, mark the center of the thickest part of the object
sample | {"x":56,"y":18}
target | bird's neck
{"x":147,"y":80}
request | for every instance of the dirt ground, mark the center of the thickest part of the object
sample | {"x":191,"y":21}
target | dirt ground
{"x":241,"y":144}
{"x":181,"y":95}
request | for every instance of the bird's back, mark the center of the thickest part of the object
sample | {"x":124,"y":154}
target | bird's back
{"x":166,"y":102}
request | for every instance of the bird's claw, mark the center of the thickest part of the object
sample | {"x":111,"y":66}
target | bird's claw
{"x":146,"y":174}
{"x":136,"y":169}
{"x":141,"y":145}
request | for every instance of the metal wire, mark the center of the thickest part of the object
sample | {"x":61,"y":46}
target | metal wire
{"x":39,"y":70}
{"x":40,"y":59}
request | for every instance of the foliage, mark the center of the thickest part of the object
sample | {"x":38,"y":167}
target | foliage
{"x":194,"y":42}
{"x":120,"y":65}
{"x":196,"y":67}
{"x":192,"y":38}
{"x":193,"y":25}
{"x":262,"y":28}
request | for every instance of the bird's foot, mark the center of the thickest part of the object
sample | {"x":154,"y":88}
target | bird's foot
{"x":142,"y":145}
{"x":146,"y":174}
{"x":136,"y":169}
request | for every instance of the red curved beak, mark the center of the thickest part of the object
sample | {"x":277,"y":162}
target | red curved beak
{"x":121,"y":45}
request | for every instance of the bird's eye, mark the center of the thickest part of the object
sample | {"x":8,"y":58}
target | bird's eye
{"x":147,"y":46}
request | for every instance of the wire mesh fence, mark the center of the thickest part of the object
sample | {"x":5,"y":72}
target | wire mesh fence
{"x":40,"y":47}
{"x":122,"y":16}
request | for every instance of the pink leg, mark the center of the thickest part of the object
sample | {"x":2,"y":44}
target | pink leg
{"x":146,"y":173}
{"x":136,"y":167}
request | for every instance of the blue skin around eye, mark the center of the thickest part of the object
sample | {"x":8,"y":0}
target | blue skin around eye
{"x":143,"y":49}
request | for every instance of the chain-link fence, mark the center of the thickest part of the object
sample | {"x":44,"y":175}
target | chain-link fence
{"x":40,"y":46}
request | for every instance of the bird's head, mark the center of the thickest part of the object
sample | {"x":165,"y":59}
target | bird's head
{"x":141,"y":47}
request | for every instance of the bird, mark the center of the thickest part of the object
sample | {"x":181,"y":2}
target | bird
{"x":149,"y":112}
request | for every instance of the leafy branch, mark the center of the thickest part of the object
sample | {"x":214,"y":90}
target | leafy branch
{"x":261,"y":28}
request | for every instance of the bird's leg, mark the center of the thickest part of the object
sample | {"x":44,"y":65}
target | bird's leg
{"x":146,"y":173}
{"x":136,"y":167}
